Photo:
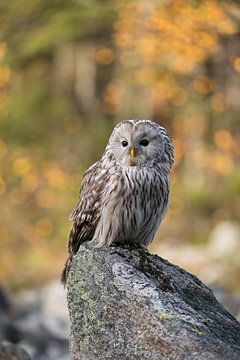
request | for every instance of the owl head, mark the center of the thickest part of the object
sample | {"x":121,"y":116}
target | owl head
{"x":141,"y":143}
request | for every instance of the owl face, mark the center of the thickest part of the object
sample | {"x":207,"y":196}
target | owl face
{"x":137,"y":143}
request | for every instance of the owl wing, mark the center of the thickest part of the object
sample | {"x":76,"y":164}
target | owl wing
{"x":86,"y":214}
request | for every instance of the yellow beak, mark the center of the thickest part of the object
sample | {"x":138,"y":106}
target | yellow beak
{"x":132,"y":153}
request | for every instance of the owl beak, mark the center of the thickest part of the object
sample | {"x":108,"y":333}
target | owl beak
{"x":133,"y":153}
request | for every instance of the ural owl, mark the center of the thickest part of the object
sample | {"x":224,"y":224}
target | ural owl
{"x":124,"y":196}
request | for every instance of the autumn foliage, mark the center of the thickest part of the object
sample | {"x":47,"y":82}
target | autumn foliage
{"x":69,"y":71}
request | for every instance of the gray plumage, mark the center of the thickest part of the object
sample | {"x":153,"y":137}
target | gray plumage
{"x":124,"y":196}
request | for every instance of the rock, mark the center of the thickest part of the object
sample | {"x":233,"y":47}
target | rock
{"x":42,"y":322}
{"x":224,"y":239}
{"x":231,"y":302}
{"x":8,"y":330}
{"x":54,"y":310}
{"x":5,"y":302}
{"x":10,"y":351}
{"x":129,"y":304}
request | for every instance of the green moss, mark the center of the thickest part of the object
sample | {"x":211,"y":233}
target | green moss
{"x":163,"y":315}
{"x":197,"y":331}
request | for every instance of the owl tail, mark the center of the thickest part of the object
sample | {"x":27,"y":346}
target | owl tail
{"x":66,"y":270}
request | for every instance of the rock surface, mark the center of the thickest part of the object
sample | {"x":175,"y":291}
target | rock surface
{"x":10,"y":351}
{"x":34,"y":323}
{"x":129,"y":304}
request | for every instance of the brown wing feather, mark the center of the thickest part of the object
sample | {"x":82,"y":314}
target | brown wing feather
{"x":86,"y":214}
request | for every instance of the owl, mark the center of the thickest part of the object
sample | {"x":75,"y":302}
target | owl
{"x":124,"y":196}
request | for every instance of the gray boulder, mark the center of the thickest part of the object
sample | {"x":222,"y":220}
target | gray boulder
{"x":129,"y":304}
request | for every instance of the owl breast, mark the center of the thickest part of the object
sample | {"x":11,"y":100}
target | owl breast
{"x":133,"y":207}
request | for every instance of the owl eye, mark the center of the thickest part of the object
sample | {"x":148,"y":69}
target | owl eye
{"x":124,"y":143}
{"x":144,"y":142}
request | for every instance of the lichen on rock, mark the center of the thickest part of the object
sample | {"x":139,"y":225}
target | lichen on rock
{"x":129,"y":304}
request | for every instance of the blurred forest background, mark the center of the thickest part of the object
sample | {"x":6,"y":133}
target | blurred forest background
{"x":69,"y":71}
